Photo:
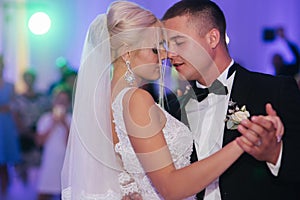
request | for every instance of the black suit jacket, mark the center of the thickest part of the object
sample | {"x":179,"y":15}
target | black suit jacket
{"x":248,"y":178}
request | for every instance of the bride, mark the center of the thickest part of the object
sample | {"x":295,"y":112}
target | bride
{"x":122,"y":145}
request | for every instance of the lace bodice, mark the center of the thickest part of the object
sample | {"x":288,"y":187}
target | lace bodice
{"x":178,"y":138}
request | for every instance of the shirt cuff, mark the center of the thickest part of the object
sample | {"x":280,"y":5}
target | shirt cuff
{"x":275,"y":168}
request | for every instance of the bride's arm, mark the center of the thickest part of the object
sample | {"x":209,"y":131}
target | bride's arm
{"x":144,"y":122}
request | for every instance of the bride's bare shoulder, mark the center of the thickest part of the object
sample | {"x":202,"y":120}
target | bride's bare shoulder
{"x":138,"y":97}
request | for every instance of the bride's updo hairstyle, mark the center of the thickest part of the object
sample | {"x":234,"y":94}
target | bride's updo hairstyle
{"x":127,"y":23}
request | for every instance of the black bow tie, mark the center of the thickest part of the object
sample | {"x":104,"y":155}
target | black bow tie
{"x":201,"y":93}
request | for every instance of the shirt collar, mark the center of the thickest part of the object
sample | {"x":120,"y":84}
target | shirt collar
{"x":222,"y":77}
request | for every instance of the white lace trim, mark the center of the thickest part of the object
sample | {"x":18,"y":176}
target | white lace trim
{"x":127,"y":184}
{"x":109,"y":195}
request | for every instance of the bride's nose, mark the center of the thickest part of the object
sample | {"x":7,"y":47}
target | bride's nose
{"x":171,"y":54}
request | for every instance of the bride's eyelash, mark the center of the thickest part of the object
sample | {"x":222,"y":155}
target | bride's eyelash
{"x":154,"y":50}
{"x":163,"y":44}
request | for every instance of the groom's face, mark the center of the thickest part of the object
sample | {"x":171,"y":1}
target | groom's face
{"x":188,"y":51}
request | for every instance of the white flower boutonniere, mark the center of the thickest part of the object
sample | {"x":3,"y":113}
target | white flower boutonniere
{"x":235,"y":115}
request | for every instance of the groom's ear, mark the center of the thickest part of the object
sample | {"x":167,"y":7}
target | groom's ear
{"x":213,"y":37}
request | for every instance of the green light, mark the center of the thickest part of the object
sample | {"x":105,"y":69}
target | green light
{"x":39,"y":23}
{"x":61,"y":61}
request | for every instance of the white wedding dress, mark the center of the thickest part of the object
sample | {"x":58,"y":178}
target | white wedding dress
{"x":178,"y":138}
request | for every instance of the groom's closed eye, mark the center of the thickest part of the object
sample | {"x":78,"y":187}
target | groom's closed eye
{"x":177,"y":40}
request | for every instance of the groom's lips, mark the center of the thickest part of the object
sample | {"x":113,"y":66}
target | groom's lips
{"x":176,"y":65}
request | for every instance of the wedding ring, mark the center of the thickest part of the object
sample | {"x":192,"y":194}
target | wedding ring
{"x":258,"y":143}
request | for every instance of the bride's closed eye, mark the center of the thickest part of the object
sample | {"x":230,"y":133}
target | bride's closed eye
{"x":163,"y":44}
{"x":154,"y":50}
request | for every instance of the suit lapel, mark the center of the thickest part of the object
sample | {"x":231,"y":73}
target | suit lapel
{"x":241,"y":87}
{"x":241,"y":90}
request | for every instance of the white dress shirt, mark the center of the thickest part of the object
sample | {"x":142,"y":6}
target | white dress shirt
{"x":206,"y":121}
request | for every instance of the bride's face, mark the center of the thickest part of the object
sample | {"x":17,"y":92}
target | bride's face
{"x":145,"y":64}
{"x":146,"y":60}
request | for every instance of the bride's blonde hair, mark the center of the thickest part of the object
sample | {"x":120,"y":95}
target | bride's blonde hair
{"x":126,"y":22}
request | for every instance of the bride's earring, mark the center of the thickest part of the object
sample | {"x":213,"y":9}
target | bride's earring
{"x":129,"y":75}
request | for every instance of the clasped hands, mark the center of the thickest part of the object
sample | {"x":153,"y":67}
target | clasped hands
{"x":261,"y":136}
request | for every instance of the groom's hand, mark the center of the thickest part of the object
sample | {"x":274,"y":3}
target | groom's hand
{"x":262,"y":136}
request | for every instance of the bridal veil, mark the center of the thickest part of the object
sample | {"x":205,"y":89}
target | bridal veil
{"x":91,"y":167}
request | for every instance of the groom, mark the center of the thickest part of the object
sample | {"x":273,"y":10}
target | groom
{"x":270,"y":170}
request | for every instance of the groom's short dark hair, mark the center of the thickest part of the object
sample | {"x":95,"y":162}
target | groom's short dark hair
{"x":205,"y":13}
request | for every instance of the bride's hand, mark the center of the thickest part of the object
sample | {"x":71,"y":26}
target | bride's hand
{"x":272,"y":116}
{"x":262,"y":136}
